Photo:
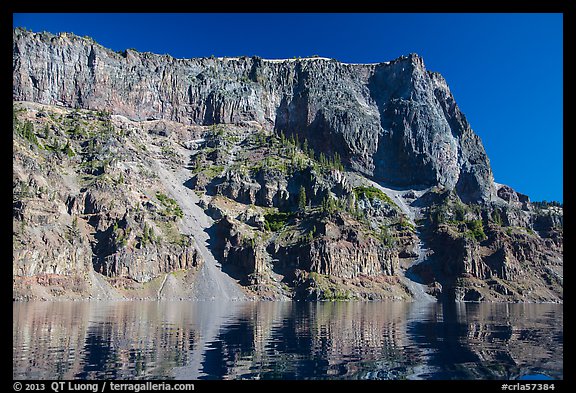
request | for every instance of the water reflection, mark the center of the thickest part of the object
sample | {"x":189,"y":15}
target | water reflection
{"x":271,"y":340}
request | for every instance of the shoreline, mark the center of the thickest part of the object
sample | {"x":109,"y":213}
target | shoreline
{"x":88,"y":300}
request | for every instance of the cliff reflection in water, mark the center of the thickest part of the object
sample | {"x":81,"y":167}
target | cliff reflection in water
{"x":269,"y":340}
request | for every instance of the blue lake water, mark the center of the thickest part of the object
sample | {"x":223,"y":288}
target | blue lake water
{"x":286,"y":340}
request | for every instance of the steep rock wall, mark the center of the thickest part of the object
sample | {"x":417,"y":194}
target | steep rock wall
{"x":394,"y":121}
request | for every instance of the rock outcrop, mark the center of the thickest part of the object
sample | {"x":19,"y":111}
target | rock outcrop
{"x":84,"y":209}
{"x":394,"y":121}
{"x":489,"y":256}
{"x":305,"y":178}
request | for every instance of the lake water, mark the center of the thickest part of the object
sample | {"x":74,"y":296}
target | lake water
{"x":287,"y":340}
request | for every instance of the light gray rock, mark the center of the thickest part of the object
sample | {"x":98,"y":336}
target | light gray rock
{"x":394,"y":121}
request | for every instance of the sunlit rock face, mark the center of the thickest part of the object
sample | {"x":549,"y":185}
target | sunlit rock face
{"x":141,"y":176}
{"x":394,"y":121}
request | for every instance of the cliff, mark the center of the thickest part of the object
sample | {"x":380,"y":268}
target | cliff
{"x":143,"y":176}
{"x":396,"y":121}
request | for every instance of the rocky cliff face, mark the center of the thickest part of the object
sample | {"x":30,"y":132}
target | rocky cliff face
{"x":394,"y":121}
{"x":80,"y":208}
{"x":493,"y":252}
{"x":134,"y":171}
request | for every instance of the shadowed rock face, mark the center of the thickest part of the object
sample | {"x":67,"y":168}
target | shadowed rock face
{"x":394,"y":121}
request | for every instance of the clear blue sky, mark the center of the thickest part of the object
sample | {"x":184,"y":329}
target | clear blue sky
{"x":505,"y":70}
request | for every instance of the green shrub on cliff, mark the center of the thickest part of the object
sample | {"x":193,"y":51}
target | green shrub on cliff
{"x":26,"y":130}
{"x":171,"y":208}
{"x":475,"y":230}
{"x":276,"y":221}
{"x":386,"y":236}
{"x":371,"y":193}
{"x":496,"y":217}
{"x":327,"y":290}
{"x":302,"y":198}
